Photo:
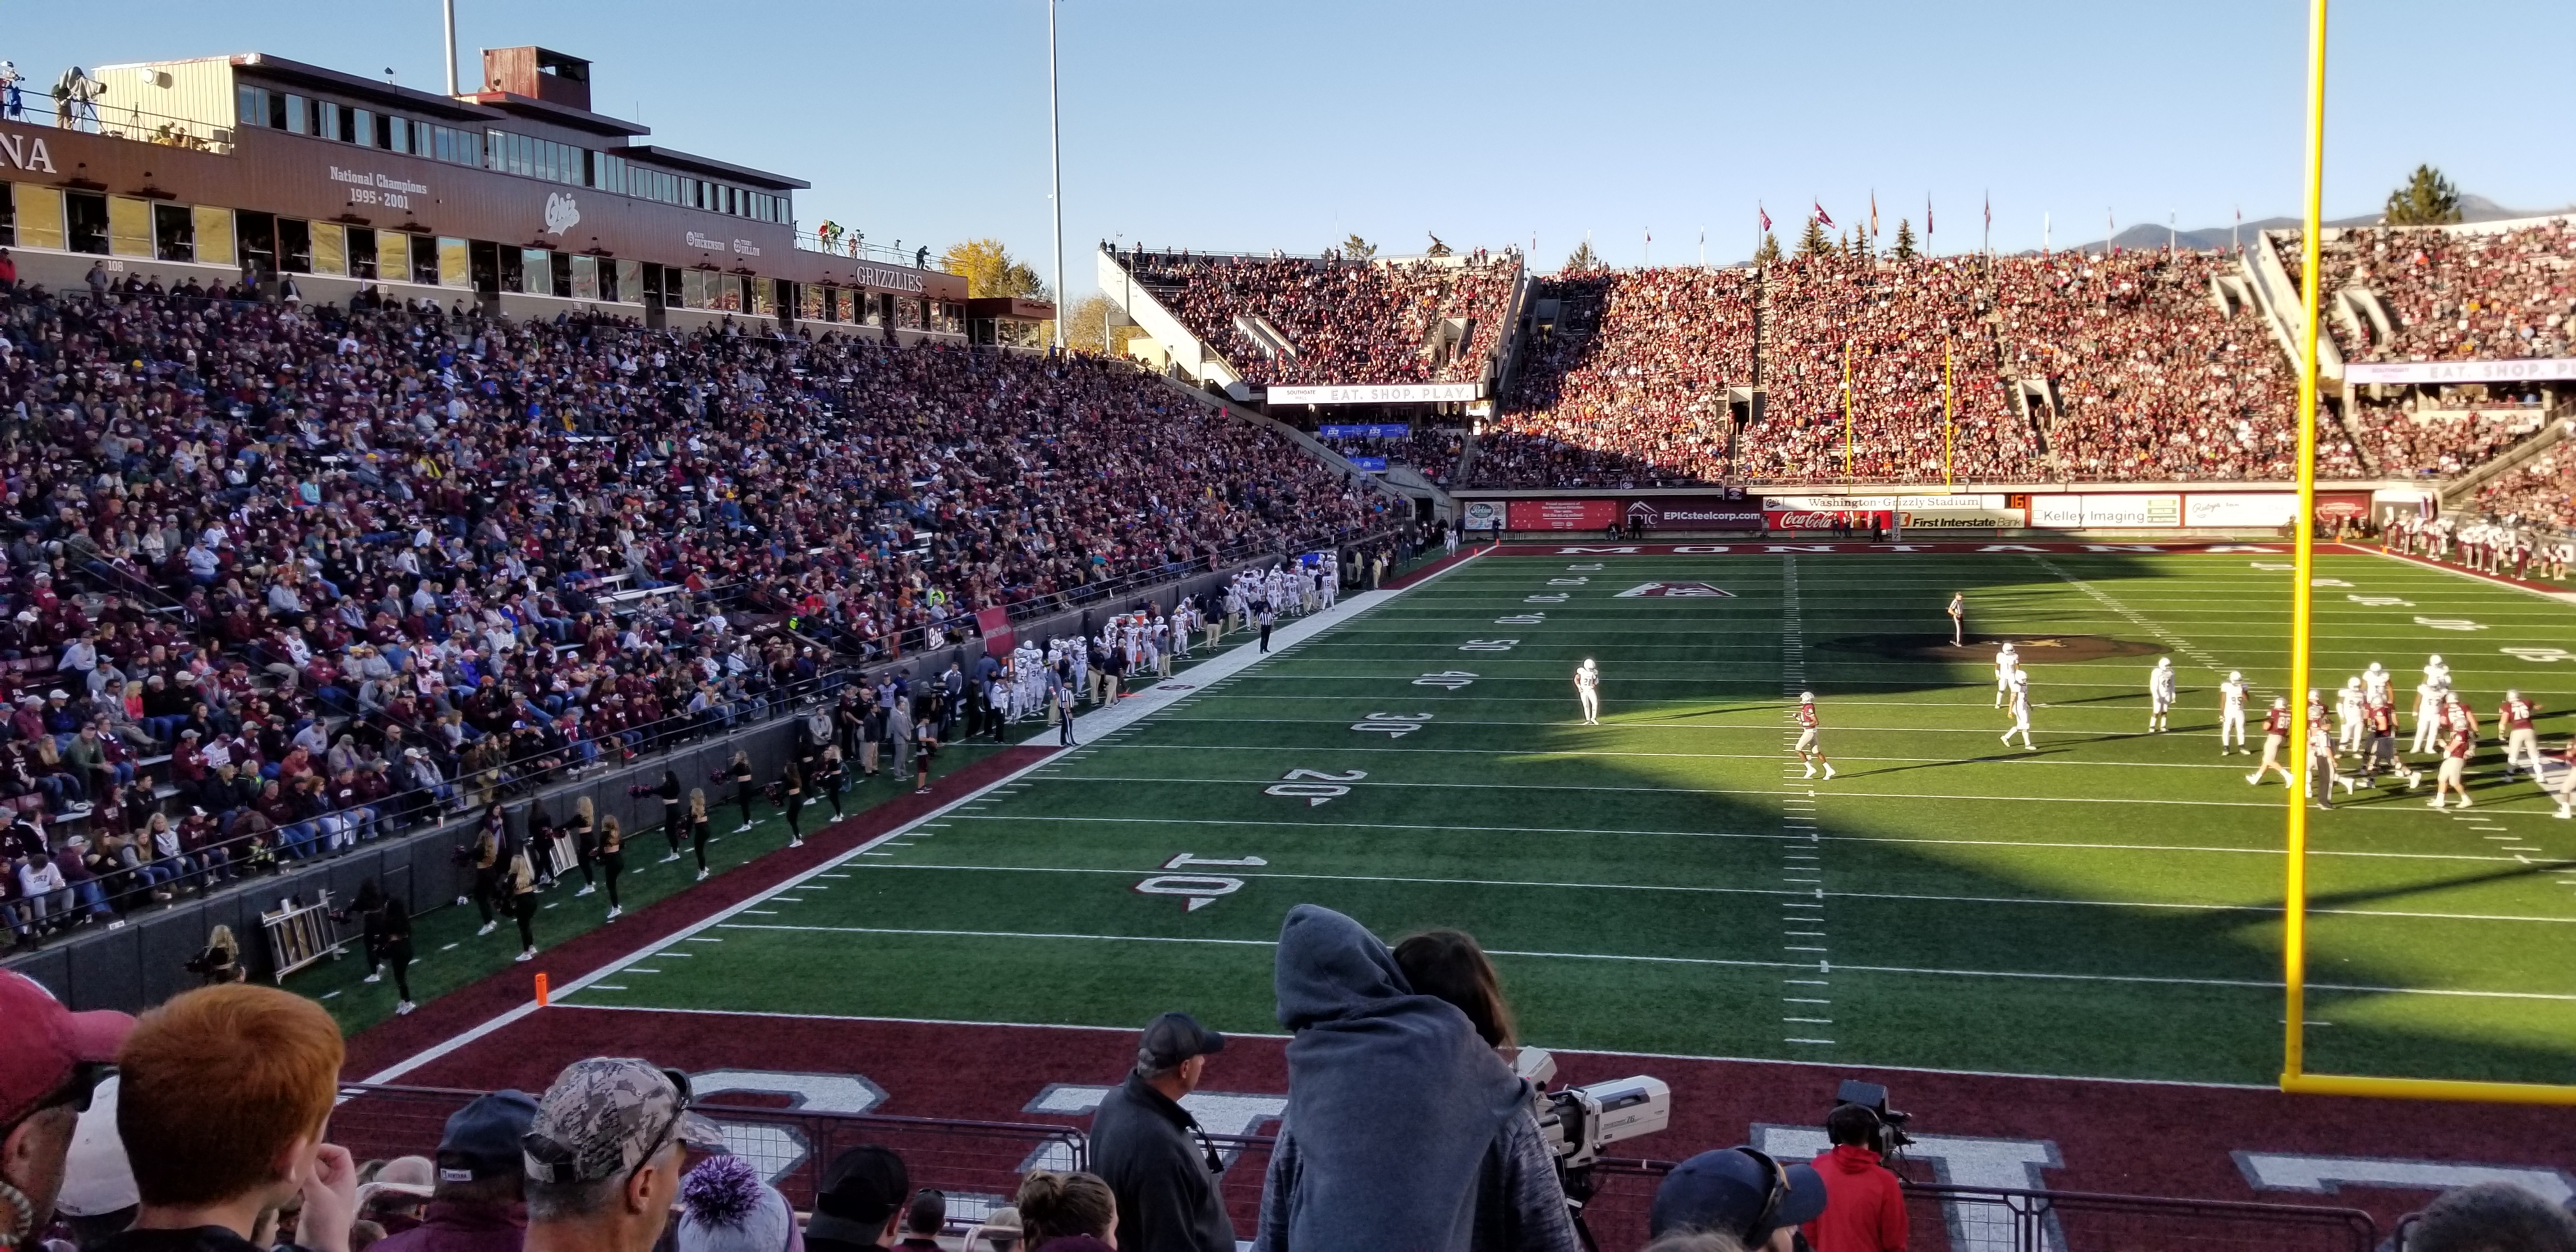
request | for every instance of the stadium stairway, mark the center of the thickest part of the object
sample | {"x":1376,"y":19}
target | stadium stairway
{"x":1191,"y":360}
{"x":2552,"y":433}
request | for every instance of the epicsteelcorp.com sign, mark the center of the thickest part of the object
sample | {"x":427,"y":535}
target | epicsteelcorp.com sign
{"x":1405,"y":393}
{"x":2542,"y":370}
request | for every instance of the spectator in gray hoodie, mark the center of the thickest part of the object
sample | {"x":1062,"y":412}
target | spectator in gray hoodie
{"x":1403,"y":1128}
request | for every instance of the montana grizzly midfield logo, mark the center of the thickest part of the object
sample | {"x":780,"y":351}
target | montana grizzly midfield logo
{"x":1673,"y":589}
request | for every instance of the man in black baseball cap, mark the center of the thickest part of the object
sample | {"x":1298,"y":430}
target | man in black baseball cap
{"x":1155,"y":1158}
{"x":863,"y":1195}
{"x":476,"y":1206}
{"x":1739,"y":1193}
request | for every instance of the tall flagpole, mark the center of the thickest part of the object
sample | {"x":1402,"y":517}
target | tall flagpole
{"x":1055,"y":163}
{"x":2294,"y":913}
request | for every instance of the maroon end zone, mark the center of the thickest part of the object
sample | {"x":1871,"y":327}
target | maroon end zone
{"x":1850,"y":547}
{"x":2061,"y":1134}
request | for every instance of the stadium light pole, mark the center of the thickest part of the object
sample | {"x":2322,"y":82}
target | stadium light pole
{"x":2294,"y":914}
{"x":1055,"y":165}
{"x":450,"y":7}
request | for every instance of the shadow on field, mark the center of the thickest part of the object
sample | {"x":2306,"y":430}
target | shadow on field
{"x":2197,"y":990}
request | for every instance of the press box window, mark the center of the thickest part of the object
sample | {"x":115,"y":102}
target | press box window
{"x":85,"y":221}
{"x":174,"y":233}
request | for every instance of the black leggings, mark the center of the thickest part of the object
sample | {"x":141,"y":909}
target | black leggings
{"x":523,"y":907}
{"x":671,"y":812}
{"x":487,"y":891}
{"x":698,"y":839}
{"x":793,"y":802}
{"x":742,"y":796}
{"x":611,"y":864}
{"x":397,"y":956}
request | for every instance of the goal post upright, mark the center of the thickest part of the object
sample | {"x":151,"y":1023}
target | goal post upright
{"x":2294,"y":913}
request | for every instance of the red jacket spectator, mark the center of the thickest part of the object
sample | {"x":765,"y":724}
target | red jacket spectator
{"x":1864,"y":1205}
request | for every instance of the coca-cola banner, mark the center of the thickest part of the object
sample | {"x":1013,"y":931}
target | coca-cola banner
{"x":1823,"y":519}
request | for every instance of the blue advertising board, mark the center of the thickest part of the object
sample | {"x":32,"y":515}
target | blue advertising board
{"x":1366,"y":430}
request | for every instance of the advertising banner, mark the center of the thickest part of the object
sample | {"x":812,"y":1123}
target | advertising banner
{"x":2105,"y":509}
{"x":1694,"y":513}
{"x":1482,"y":515}
{"x":1594,"y":514}
{"x":1405,"y":393}
{"x":2558,"y":369}
{"x":2247,"y":510}
{"x":1365,"y":430}
{"x":1824,"y":519}
{"x":1372,"y":464}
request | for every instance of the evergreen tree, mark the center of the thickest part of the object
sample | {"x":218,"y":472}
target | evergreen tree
{"x":2427,"y":199}
{"x":1904,"y":240}
{"x":1358,"y":249}
{"x":1769,"y":252}
{"x":1584,"y":259}
{"x":1815,"y":242}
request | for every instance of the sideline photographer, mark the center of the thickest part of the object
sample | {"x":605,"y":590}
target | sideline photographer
{"x":1864,"y":1203}
{"x":1404,"y":1128}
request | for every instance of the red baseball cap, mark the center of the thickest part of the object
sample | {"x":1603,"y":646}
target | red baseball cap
{"x":43,"y":1044}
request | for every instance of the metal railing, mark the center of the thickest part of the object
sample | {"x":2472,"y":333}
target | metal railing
{"x":977,"y":1164}
{"x":1947,"y":1218}
{"x":853,"y":244}
{"x":114,"y":119}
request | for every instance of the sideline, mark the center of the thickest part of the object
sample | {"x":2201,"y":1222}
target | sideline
{"x":2543,"y":590}
{"x":1015,"y":764}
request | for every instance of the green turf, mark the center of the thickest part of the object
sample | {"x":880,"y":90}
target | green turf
{"x":451,"y":955}
{"x":1667,"y":882}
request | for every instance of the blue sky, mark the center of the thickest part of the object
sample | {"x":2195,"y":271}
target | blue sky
{"x":1219,"y":124}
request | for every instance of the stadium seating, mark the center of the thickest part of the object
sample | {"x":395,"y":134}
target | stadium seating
{"x":301,"y":563}
{"x":1316,"y":321}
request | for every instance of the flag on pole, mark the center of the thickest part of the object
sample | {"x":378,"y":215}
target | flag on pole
{"x":1764,"y":214}
{"x":1873,"y":215}
{"x":1990,"y":212}
{"x":1821,"y":215}
{"x":1927,"y":214}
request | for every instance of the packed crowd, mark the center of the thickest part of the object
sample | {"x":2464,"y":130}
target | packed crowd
{"x":2154,"y":380}
{"x":1624,"y":388}
{"x":2540,"y":492}
{"x":2130,"y":368}
{"x":1342,"y":322}
{"x":280,"y":578}
{"x":2430,"y":442}
{"x":1893,"y":328}
{"x":2451,"y":294}
{"x":1430,"y":450}
{"x":212,"y":1124}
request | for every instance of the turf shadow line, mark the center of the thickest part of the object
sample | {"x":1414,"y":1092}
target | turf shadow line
{"x":444,"y":1019}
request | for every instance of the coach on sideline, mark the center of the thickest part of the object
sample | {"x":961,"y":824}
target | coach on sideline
{"x":1155,"y":1158}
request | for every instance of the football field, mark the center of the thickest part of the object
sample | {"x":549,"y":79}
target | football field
{"x":2106,"y":905}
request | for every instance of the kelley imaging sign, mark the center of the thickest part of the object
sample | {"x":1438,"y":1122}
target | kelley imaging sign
{"x":2557,"y":369}
{"x":1408,"y":393}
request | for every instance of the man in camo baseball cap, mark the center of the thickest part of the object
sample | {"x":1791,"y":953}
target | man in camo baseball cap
{"x":601,"y":1169}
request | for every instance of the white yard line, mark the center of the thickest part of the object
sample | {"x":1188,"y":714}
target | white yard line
{"x":1702,"y":961}
{"x":1721,"y":834}
{"x":1797,"y":840}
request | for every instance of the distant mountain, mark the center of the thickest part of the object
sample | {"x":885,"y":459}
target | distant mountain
{"x":2213,"y":238}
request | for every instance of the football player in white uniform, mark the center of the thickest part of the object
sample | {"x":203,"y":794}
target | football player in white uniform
{"x":2160,"y":695}
{"x":2429,"y":698}
{"x":2007,"y":664}
{"x":1587,"y":687}
{"x":2348,"y":717}
{"x":2231,"y":713}
{"x":2020,"y":711}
